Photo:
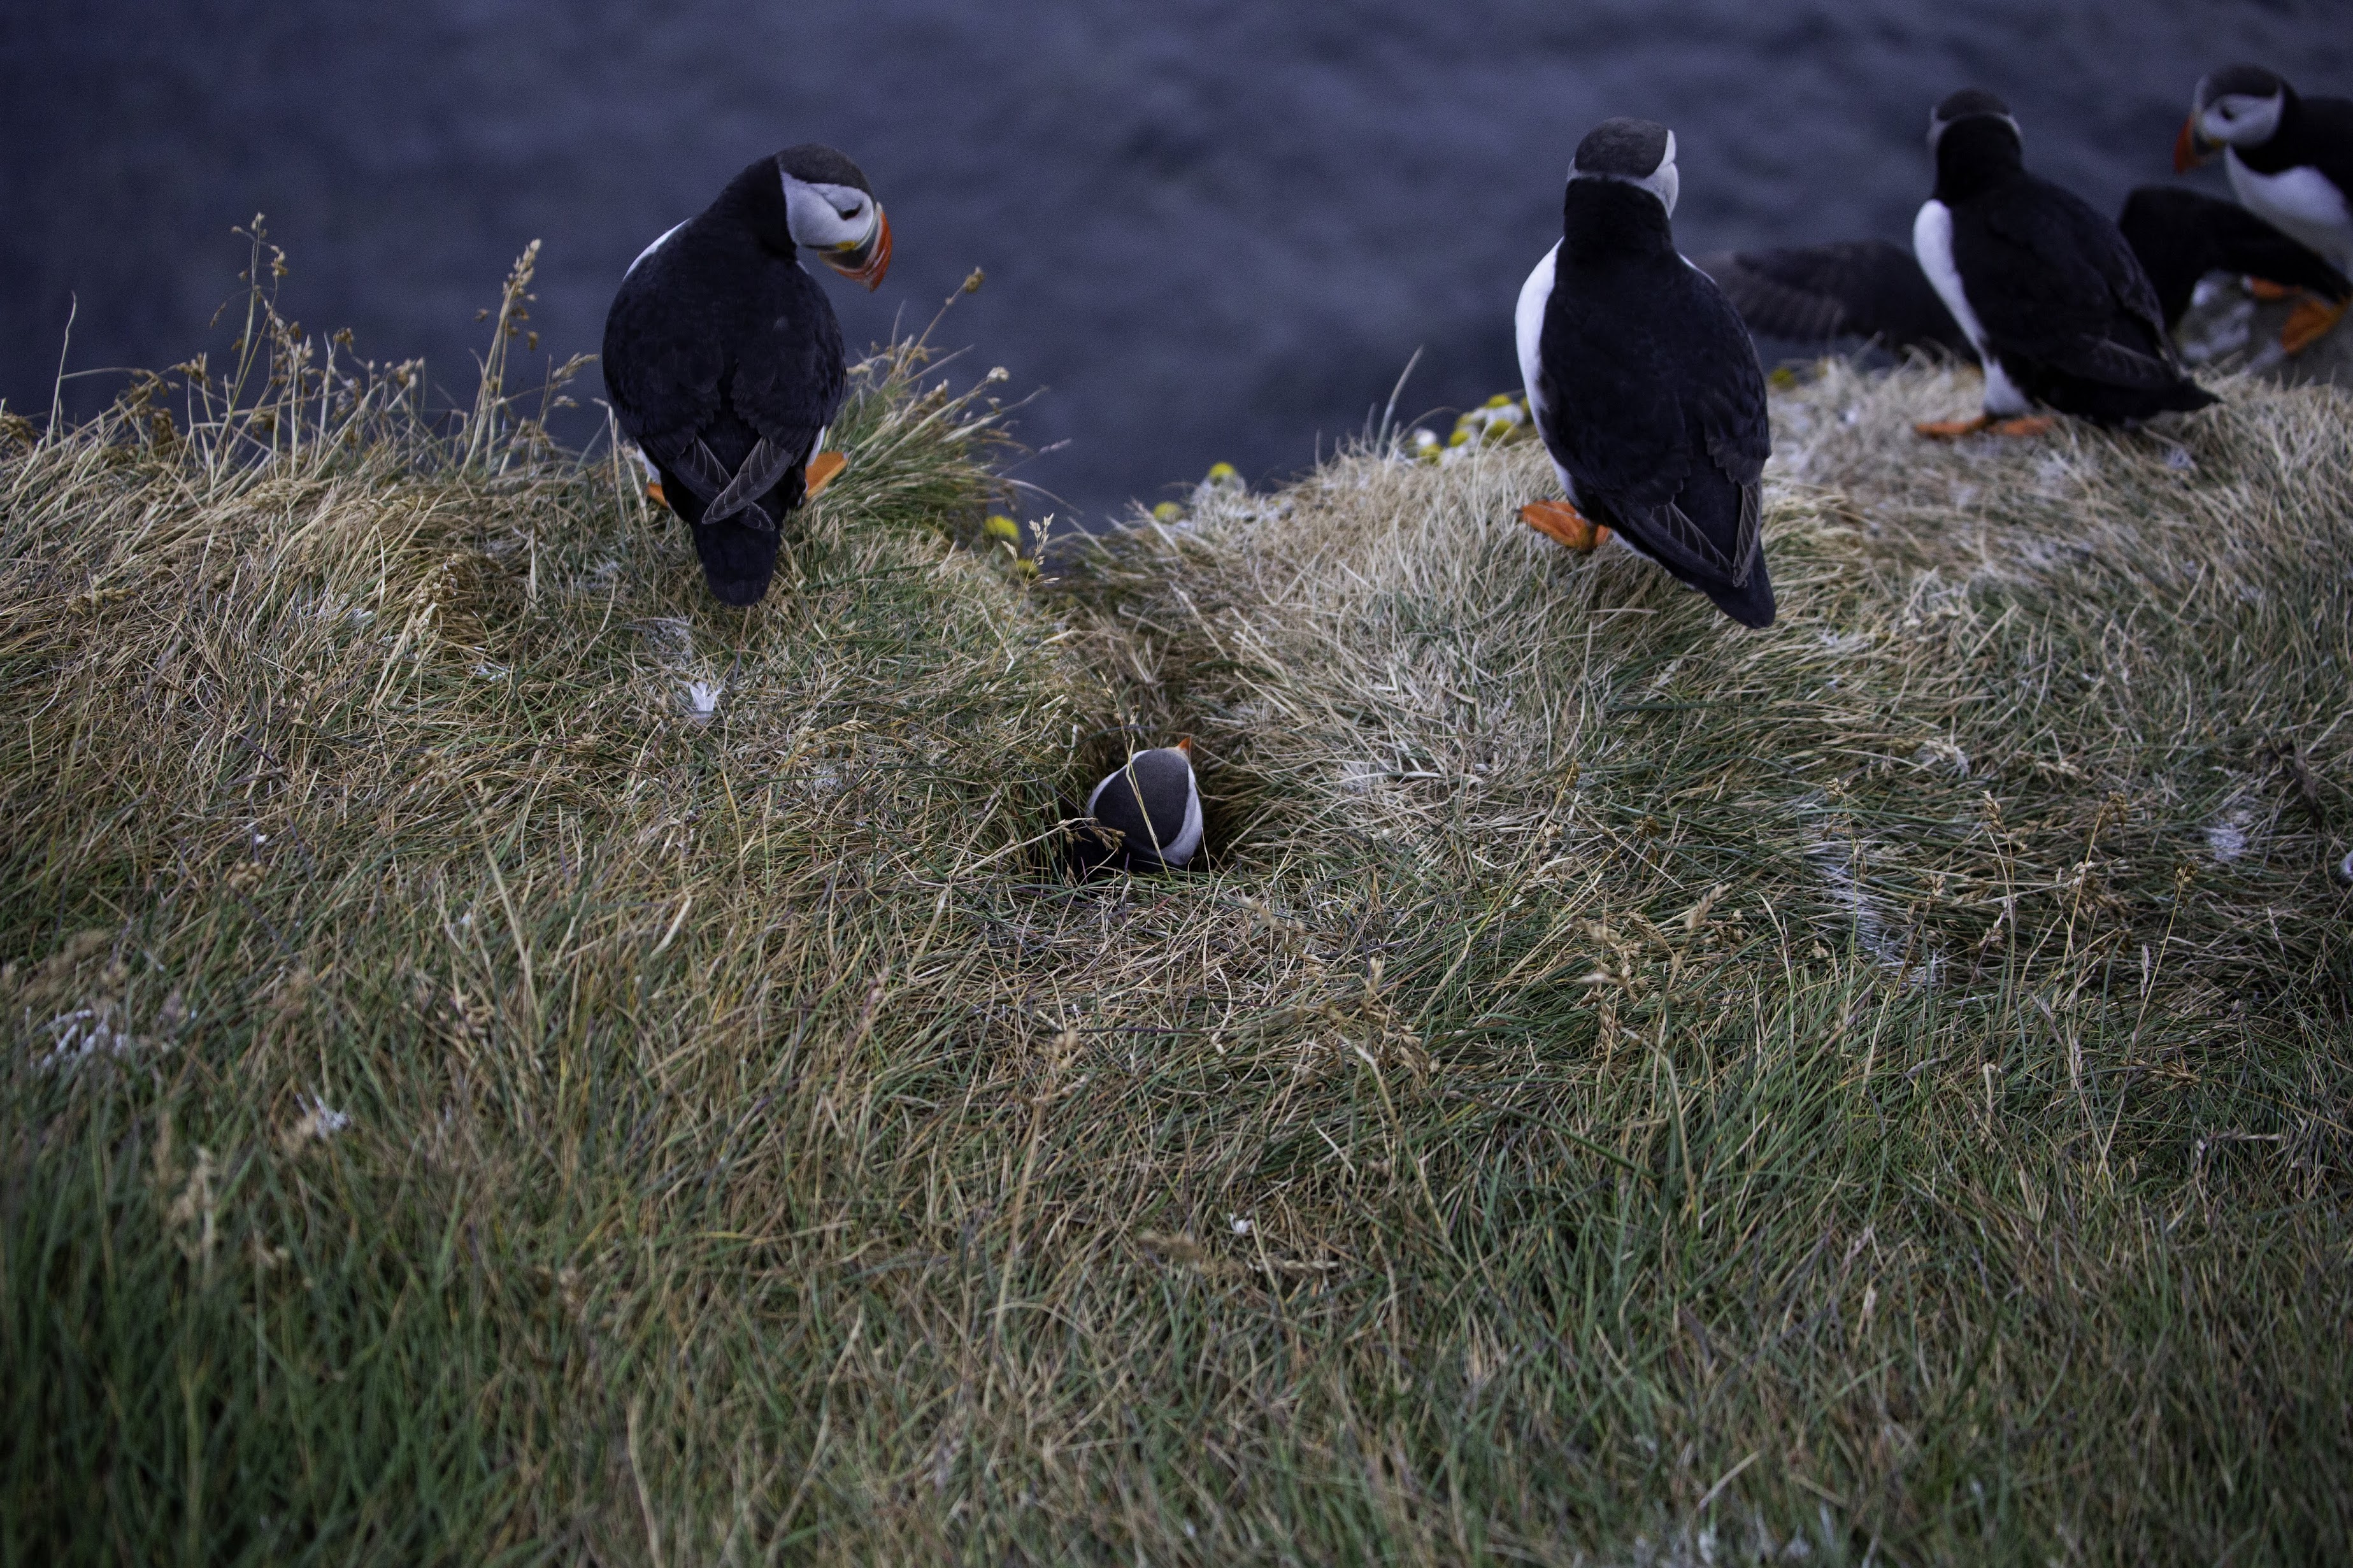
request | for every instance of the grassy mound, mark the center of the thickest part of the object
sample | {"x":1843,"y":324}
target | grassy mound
{"x":513,"y":1061}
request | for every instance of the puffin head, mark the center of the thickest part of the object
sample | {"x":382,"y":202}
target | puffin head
{"x":1969,"y":103}
{"x":1973,"y":138}
{"x":2239,"y":106}
{"x":831,"y":211}
{"x":1147,"y":815}
{"x":1640,"y":152}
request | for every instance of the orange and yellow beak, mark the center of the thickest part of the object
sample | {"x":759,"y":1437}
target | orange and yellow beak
{"x":2190,"y":149}
{"x":867,"y":263}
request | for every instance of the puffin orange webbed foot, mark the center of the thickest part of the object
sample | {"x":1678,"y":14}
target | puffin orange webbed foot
{"x":2269,"y":292}
{"x":1560,"y":521}
{"x":820,"y":472}
{"x":1951,"y":429}
{"x":2026,"y":425}
{"x":654,"y":493}
{"x":2311,"y":321}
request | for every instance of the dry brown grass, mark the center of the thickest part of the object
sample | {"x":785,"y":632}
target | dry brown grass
{"x":1621,"y":1086}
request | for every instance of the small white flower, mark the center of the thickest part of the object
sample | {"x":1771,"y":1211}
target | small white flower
{"x":703,"y":698}
{"x":2227,"y":838}
{"x":79,"y":1036}
{"x":1943,"y":756}
{"x":319,"y":1121}
{"x":486,"y":671}
{"x":1241,"y":1227}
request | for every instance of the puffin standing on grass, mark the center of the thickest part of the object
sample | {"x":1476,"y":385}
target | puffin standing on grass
{"x":1147,"y":814}
{"x":1643,"y":383}
{"x":2290,"y":159}
{"x":723,"y":358}
{"x":2045,"y":288}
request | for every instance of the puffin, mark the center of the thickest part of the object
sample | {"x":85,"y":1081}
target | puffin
{"x":1870,"y":288}
{"x":2047,"y":291}
{"x":2290,"y":159}
{"x":723,"y":359}
{"x":1145,"y":815}
{"x":1642,"y":382}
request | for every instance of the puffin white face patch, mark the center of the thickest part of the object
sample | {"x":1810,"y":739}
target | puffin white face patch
{"x":2240,"y":119}
{"x":828,"y":217}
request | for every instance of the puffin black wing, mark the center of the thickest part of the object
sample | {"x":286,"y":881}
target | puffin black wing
{"x":2068,"y":309}
{"x":2180,"y":235}
{"x":1657,"y":415}
{"x":1851,"y":289}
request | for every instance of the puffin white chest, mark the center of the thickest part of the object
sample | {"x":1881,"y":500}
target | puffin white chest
{"x":2300,"y":203}
{"x":1527,"y":329}
{"x":1932,"y":243}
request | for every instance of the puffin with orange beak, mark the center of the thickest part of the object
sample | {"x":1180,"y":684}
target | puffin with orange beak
{"x":723,"y":359}
{"x":2290,"y":160}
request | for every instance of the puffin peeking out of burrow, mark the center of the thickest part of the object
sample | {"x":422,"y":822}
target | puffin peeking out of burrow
{"x":2045,"y":288}
{"x":2290,"y":160}
{"x":1643,"y":383}
{"x":1146,"y":815}
{"x":723,"y":359}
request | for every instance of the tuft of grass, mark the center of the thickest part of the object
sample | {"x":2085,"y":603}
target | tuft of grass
{"x":510,"y":1061}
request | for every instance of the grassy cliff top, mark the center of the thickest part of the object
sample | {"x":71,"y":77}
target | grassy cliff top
{"x":513,"y":1061}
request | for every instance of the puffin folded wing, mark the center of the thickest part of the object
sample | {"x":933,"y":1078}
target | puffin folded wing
{"x":1669,"y":533}
{"x":2074,"y":297}
{"x":2113,"y":362}
{"x":688,"y":456}
{"x":768,"y":464}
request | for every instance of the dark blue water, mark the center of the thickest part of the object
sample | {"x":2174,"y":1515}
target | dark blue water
{"x":1211,"y":230}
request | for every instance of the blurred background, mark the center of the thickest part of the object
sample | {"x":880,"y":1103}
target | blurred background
{"x":1212,"y":230}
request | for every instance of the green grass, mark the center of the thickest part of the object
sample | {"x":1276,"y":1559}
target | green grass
{"x":1621,"y":1089}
